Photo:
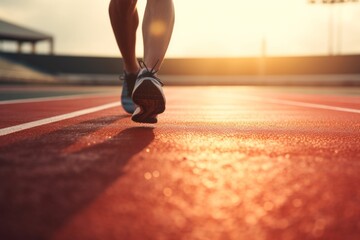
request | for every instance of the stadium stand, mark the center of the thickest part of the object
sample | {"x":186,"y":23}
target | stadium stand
{"x":307,"y":70}
{"x":20,"y":35}
{"x":12,"y":72}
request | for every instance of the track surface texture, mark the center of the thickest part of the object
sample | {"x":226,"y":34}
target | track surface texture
{"x":222,"y":163}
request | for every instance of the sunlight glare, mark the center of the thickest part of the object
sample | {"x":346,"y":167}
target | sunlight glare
{"x":239,"y":27}
{"x":157,"y":28}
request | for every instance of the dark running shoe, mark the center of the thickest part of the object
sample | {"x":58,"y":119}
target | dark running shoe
{"x":148,"y":96}
{"x":127,"y":89}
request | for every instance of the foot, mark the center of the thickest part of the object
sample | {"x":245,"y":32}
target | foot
{"x":148,"y":97}
{"x":127,"y":89}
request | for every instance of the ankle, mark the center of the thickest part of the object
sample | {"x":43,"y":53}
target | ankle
{"x":131,"y":69}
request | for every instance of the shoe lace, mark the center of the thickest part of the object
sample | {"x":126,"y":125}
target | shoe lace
{"x":150,"y":72}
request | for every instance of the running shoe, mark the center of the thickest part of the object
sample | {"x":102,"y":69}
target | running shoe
{"x":148,"y":96}
{"x":127,"y":89}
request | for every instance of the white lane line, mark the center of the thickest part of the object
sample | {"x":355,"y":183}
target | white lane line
{"x":21,"y":127}
{"x":57,"y":98}
{"x":302,"y":104}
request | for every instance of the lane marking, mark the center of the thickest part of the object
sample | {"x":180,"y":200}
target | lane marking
{"x":56,"y":98}
{"x":302,"y":104}
{"x":24,"y":126}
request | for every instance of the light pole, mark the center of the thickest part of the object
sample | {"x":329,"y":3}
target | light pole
{"x":331,"y":3}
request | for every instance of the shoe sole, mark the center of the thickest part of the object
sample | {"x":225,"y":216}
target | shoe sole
{"x":150,"y":100}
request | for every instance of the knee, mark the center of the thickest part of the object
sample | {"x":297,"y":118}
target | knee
{"x":117,"y":6}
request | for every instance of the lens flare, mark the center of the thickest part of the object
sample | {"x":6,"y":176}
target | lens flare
{"x":157,"y":28}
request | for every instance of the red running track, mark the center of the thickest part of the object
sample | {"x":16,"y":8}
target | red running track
{"x":222,"y":163}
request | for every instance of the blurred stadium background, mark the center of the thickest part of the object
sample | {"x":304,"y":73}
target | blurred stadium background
{"x":19,"y":66}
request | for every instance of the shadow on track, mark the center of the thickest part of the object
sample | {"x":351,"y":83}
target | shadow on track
{"x":41,"y":187}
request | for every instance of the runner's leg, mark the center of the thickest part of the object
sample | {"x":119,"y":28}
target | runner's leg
{"x":125,"y":20}
{"x":157,"y":30}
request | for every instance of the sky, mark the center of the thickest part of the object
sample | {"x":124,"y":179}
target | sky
{"x":203,"y":28}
